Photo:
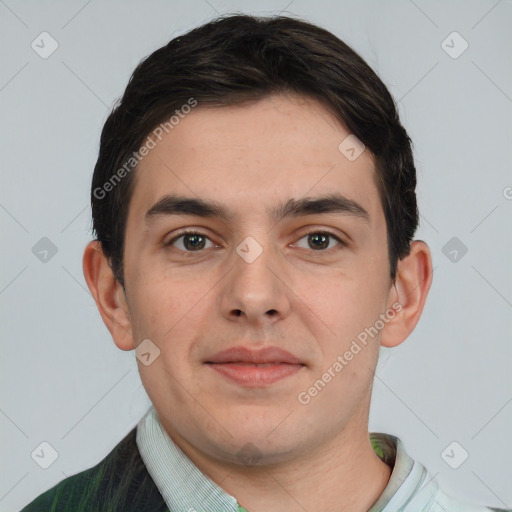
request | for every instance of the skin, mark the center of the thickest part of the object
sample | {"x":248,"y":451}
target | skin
{"x":312,"y":302}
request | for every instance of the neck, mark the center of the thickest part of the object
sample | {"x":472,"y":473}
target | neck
{"x":344,"y":474}
{"x":344,"y":477}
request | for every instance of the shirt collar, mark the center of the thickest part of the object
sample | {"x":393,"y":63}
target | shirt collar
{"x":181,"y":483}
{"x":184,"y":487}
{"x":407,"y":476}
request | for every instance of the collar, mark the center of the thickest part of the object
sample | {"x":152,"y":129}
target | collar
{"x":184,"y":487}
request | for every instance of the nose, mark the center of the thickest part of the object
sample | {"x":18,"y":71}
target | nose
{"x":255,"y":290}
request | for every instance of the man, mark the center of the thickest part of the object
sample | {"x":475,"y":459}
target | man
{"x":254,"y":208}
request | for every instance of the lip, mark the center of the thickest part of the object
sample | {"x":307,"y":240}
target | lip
{"x":255,"y":368}
{"x":261,"y":356}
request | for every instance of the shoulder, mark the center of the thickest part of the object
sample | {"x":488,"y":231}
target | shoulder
{"x":120,"y":482}
{"x":445,"y":502}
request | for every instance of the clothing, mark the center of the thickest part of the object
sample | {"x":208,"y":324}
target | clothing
{"x":147,"y":471}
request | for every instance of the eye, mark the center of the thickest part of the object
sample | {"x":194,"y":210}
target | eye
{"x":193,"y":241}
{"x":319,"y":240}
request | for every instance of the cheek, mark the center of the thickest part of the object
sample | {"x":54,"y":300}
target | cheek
{"x":156,"y":309}
{"x":339,"y":307}
{"x":166,"y":315}
{"x":345,"y":297}
{"x":171,"y":313}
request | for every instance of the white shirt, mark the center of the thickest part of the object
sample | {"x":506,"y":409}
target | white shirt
{"x":185,"y":488}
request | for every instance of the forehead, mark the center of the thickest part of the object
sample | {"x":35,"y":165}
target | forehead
{"x":254,"y":155}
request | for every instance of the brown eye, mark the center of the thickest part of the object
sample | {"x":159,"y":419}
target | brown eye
{"x":320,"y":240}
{"x":193,"y":241}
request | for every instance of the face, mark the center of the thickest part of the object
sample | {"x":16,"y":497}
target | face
{"x":263,"y":274}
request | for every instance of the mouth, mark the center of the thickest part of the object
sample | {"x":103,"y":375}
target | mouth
{"x":253,"y":368}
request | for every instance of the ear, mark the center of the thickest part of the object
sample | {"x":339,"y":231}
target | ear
{"x":108,"y":294}
{"x":412,"y":283}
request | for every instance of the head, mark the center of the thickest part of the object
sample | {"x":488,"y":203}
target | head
{"x":298,"y":244}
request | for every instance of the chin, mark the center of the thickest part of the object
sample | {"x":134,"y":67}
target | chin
{"x":253,"y":449}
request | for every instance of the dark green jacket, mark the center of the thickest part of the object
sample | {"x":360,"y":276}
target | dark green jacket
{"x":120,"y":482}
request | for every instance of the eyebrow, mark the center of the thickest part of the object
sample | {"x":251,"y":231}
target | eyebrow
{"x":332,"y":203}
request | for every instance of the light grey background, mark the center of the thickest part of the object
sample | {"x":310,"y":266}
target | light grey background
{"x":63,"y":380}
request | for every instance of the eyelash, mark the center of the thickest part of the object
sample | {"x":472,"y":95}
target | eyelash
{"x":342,"y":244}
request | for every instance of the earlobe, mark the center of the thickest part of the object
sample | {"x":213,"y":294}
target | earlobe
{"x":410,"y":290}
{"x":108,"y":295}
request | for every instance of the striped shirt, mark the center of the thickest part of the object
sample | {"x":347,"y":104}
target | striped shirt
{"x":185,"y":488}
